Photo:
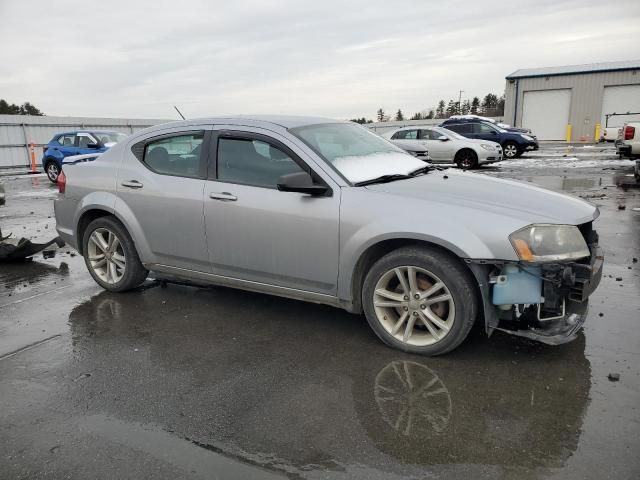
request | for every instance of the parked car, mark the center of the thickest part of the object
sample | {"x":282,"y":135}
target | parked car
{"x":67,"y":144}
{"x":504,"y":126}
{"x":628,"y":142}
{"x":446,"y":146}
{"x":513,"y":144}
{"x":329,"y":212}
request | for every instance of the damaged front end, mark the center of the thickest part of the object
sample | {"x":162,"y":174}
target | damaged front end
{"x":546,"y":301}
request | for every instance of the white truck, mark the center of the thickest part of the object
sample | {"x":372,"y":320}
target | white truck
{"x":628,"y":144}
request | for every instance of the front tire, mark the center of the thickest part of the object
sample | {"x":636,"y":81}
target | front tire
{"x":511,"y":150}
{"x":420,"y":300}
{"x":466,"y":159}
{"x":53,"y":170}
{"x":111,"y":256}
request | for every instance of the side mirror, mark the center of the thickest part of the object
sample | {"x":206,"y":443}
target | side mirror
{"x":93,"y":145}
{"x":301,"y":182}
{"x":443,"y":138}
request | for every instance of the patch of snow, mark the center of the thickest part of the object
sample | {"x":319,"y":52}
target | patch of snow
{"x":564,"y":162}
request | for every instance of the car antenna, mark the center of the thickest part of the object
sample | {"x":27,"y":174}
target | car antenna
{"x":179,"y":112}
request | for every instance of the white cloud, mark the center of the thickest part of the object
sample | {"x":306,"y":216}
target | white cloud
{"x":333,"y":58}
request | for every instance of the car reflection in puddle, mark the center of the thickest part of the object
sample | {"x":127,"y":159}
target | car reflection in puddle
{"x":297,"y":388}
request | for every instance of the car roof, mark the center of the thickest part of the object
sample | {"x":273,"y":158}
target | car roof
{"x":415,"y":127}
{"x":84,"y":130}
{"x":284,"y":121}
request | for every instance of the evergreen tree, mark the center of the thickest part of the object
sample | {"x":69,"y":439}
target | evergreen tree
{"x":466,"y":107}
{"x":440,"y":109}
{"x":416,"y":116}
{"x":451,"y":108}
{"x":430,"y":115}
{"x":380,"y":115}
{"x":399,"y":116}
{"x":12,"y":109}
{"x":475,"y":105}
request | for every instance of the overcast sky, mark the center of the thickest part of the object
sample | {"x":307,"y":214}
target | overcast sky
{"x":324,"y":57}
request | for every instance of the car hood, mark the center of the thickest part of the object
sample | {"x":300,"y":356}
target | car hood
{"x":524,"y":201}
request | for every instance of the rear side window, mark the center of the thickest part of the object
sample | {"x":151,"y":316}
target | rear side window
{"x":462,"y":128}
{"x":428,"y":134}
{"x":66,"y":140}
{"x":253,"y":162}
{"x":178,"y":155}
{"x":405,"y":135}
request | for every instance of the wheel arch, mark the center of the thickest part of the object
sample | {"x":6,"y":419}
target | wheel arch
{"x":85,"y":219}
{"x":377,"y":250}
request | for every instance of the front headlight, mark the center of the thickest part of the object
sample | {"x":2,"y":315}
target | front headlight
{"x":486,"y":146}
{"x":547,"y":243}
{"x":526,"y":137}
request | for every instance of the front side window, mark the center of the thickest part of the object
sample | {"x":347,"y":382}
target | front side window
{"x":483,"y":128}
{"x":84,"y":140}
{"x":253,"y":162}
{"x":354,"y":151}
{"x":178,"y":155}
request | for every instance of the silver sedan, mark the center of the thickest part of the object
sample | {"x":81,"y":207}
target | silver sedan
{"x":329,"y":212}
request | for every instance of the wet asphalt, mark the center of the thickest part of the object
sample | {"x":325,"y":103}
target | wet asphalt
{"x":173,"y":381}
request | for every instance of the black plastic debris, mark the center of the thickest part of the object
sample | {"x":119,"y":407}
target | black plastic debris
{"x":614,"y":377}
{"x":16,"y":249}
{"x":2,"y":196}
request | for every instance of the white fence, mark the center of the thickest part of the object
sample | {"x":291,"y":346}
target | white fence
{"x":18,"y":131}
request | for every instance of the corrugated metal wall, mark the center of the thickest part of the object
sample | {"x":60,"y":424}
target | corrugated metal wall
{"x":18,"y":131}
{"x":587,"y":92}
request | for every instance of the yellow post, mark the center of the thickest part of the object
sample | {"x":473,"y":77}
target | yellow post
{"x":569,"y":133}
{"x":596,"y":136}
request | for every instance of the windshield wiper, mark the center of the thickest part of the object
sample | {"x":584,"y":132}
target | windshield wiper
{"x":383,"y":179}
{"x":422,"y":170}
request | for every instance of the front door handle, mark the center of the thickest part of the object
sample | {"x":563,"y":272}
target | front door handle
{"x":132,"y":184}
{"x":224,"y":196}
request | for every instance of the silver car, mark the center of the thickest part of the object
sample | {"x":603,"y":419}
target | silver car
{"x":329,"y":212}
{"x":446,"y":146}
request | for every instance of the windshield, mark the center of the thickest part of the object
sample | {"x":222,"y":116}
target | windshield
{"x":110,"y":137}
{"x":355,"y":152}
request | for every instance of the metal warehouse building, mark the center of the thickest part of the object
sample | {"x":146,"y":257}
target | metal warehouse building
{"x":571,"y":103}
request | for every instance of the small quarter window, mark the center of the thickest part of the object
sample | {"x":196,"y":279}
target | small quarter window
{"x":178,"y":156}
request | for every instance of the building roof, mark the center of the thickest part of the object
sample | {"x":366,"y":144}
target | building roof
{"x":575,"y":69}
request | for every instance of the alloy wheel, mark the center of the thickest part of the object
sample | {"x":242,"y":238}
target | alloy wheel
{"x":106,"y":256}
{"x":466,"y":160}
{"x":414,"y":305}
{"x":510,"y":150}
{"x":53,"y":171}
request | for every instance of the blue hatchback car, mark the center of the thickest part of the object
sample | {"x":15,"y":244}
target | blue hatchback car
{"x":513,"y":143}
{"x":80,"y":142}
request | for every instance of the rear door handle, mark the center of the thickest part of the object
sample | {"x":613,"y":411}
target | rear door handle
{"x":132,"y":184}
{"x":224,"y":196}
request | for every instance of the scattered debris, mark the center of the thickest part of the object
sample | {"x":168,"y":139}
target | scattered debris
{"x":622,"y":207}
{"x":601,"y":314}
{"x":614,"y":377}
{"x":634,"y":260}
{"x":2,"y":196}
{"x":618,"y":279}
{"x":14,"y":249}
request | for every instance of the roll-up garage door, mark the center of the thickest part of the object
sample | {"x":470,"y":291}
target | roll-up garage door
{"x":620,"y":99}
{"x":546,"y":113}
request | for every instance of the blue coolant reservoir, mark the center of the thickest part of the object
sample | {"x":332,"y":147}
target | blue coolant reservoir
{"x":518,"y":285}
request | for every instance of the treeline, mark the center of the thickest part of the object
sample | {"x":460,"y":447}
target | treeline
{"x":490,"y":106}
{"x":26,"y":108}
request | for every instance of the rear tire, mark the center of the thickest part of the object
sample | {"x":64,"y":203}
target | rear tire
{"x":466,"y":159}
{"x":111,"y":256}
{"x":53,"y":170}
{"x":420,"y":300}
